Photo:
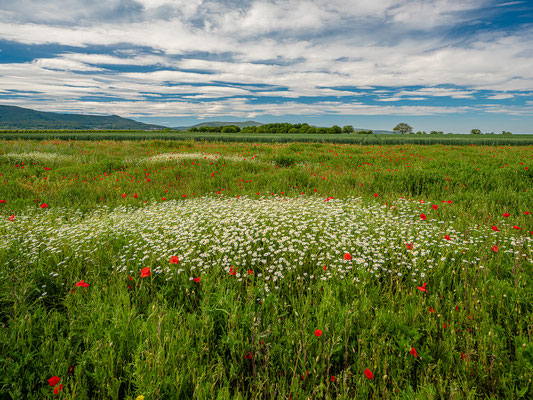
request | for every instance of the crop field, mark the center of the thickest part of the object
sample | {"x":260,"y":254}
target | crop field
{"x":166,"y":269}
{"x":374,"y":139}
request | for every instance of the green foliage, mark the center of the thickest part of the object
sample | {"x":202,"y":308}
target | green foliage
{"x":223,"y":338}
{"x":403,"y":128}
{"x":347,"y":129}
{"x":475,"y":132}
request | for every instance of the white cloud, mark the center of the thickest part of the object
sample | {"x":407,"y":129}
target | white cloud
{"x":297,"y":48}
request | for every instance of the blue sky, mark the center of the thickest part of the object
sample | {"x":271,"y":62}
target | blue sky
{"x":449,"y":65}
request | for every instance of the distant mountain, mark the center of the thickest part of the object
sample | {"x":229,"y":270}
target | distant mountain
{"x":12,"y":117}
{"x":220,"y":123}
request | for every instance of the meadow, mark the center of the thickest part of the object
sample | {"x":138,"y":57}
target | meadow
{"x":163,"y":269}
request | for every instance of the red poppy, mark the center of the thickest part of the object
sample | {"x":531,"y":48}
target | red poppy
{"x":431,"y":310}
{"x":232,"y":271}
{"x":318,"y":332}
{"x":375,"y":195}
{"x":506,"y":215}
{"x":2,"y":201}
{"x":174,"y":260}
{"x":250,"y":272}
{"x":369,"y":374}
{"x":449,"y":202}
{"x":332,"y":379}
{"x":12,"y":218}
{"x":447,"y":237}
{"x":423,"y":288}
{"x":135,"y":196}
{"x":44,"y":205}
{"x":145,"y":272}
{"x":495,"y":228}
{"x":347,"y":256}
{"x":57,"y":389}
{"x":197,"y":280}
{"x":527,"y":213}
{"x":409,"y":246}
{"x":123,"y":195}
{"x":82,"y":283}
{"x":516,"y":227}
{"x":413,"y":352}
{"x":495,"y":248}
{"x":435,"y":207}
{"x":54,"y":380}
{"x":423,"y":217}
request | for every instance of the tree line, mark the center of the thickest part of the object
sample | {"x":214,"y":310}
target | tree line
{"x":280,"y":128}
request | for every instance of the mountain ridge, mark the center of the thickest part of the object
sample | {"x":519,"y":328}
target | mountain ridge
{"x":14,"y":117}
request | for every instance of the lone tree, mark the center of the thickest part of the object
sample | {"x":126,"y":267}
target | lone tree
{"x":475,"y":132}
{"x":403,"y":128}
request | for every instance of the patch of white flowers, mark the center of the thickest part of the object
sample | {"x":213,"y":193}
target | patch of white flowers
{"x":302,"y":238}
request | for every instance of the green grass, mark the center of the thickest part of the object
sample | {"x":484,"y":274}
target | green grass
{"x":383,"y":139}
{"x":235,"y":334}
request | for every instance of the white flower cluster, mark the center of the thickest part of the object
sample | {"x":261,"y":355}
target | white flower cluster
{"x":302,"y":238}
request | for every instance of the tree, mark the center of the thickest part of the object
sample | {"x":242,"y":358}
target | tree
{"x":506,"y":133}
{"x":475,"y":132}
{"x":336,"y":129}
{"x":347,"y":129}
{"x":403,"y":128}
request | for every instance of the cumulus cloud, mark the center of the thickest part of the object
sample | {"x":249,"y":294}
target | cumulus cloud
{"x":189,"y":52}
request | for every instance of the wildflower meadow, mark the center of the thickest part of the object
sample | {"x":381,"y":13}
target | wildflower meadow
{"x":188,"y":269}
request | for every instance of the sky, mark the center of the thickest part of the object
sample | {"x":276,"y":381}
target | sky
{"x":445,"y":65}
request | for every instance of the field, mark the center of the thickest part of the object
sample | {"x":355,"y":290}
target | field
{"x":375,"y":139}
{"x":164,"y":269}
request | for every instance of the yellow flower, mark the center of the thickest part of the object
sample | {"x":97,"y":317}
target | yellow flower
{"x":141,"y":397}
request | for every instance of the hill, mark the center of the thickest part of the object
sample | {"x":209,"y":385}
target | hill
{"x":12,"y":117}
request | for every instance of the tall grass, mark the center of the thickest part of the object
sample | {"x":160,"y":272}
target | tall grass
{"x":263,"y":302}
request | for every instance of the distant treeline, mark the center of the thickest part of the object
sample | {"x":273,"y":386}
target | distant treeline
{"x":278,"y":128}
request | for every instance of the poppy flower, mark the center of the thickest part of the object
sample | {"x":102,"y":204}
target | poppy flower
{"x":375,"y":195}
{"x":82,"y":283}
{"x":527,"y":213}
{"x":495,"y":228}
{"x":369,"y":374}
{"x":506,"y":215}
{"x":423,"y":217}
{"x":44,"y":205}
{"x":347,"y":256}
{"x":447,"y":237}
{"x":2,"y":201}
{"x":409,"y":246}
{"x":318,"y":332}
{"x":11,"y":218}
{"x":495,"y":248}
{"x":413,"y":352}
{"x":250,"y":272}
{"x":135,"y":196}
{"x":449,"y":202}
{"x":145,"y":272}
{"x":232,"y":271}
{"x":423,"y":288}
{"x":516,"y":227}
{"x":123,"y":195}
{"x":54,"y":380}
{"x":58,"y":389}
{"x":332,"y":379}
{"x":435,"y":207}
{"x":174,"y":260}
{"x":431,"y":310}
{"x":197,"y":280}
